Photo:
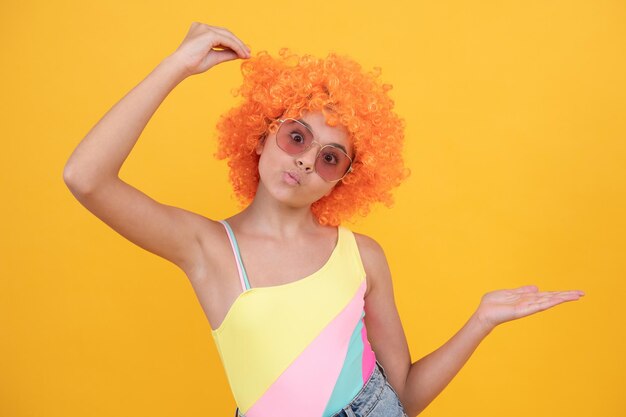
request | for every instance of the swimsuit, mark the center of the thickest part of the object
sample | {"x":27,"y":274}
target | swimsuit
{"x":299,"y":348}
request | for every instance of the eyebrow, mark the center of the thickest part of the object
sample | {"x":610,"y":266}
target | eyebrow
{"x":335,"y":144}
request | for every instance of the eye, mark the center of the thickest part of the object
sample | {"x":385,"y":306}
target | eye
{"x":297,"y":137}
{"x":330,"y":157}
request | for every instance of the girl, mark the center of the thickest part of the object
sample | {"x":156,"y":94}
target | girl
{"x":301,"y":309}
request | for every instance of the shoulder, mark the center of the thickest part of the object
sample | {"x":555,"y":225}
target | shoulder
{"x":368,"y":247}
{"x":215,"y":247}
{"x":374,"y":260}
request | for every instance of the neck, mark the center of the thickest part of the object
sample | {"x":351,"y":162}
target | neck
{"x":266,"y":215}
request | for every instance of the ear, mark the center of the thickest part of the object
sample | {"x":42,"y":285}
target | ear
{"x":259,"y":146}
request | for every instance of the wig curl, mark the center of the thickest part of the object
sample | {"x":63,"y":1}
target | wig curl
{"x":290,"y":85}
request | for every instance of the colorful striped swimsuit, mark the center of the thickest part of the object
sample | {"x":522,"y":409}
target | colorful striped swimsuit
{"x":299,"y":348}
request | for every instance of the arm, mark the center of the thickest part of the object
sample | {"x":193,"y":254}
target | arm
{"x":430,"y":375}
{"x":418,"y":383}
{"x":91,"y":173}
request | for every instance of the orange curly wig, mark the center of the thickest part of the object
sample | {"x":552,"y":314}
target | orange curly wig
{"x":290,"y":85}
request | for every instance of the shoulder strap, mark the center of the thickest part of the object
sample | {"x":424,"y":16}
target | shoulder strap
{"x":243,"y":276}
{"x":352,"y":250}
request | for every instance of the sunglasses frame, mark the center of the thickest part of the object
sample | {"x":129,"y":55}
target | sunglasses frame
{"x":282,"y":121}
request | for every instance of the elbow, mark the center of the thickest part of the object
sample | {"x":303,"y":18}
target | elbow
{"x":413,"y":406}
{"x":70,"y":177}
{"x":78,"y":184}
{"x":415,"y":412}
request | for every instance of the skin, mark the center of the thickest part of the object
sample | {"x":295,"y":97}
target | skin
{"x":279,"y":220}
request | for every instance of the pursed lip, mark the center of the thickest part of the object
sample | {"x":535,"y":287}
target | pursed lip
{"x":293,"y":176}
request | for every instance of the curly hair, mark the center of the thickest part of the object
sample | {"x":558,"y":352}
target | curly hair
{"x":290,"y":85}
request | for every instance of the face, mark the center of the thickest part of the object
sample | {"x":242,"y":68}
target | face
{"x":295,"y":179}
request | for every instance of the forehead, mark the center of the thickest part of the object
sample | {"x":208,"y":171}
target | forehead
{"x":325,"y":133}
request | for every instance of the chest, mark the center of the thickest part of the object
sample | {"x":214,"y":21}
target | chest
{"x":268,"y":264}
{"x":271,"y":263}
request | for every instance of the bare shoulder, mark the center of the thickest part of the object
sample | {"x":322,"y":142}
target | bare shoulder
{"x":374,"y":260}
{"x":369,"y":248}
{"x":213,"y":242}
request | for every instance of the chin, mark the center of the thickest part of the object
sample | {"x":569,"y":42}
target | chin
{"x":293,"y":197}
{"x":293,"y":201}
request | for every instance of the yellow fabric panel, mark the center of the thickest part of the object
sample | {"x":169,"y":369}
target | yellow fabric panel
{"x":268,"y":327}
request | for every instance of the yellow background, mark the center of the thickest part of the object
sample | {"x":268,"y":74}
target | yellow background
{"x":516,"y":128}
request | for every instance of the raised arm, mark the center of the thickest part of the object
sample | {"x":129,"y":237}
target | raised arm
{"x":92,"y":171}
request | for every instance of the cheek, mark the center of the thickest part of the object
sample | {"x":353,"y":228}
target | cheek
{"x":330,"y":189}
{"x":322,"y":187}
{"x":263,"y":163}
{"x":271,"y":160}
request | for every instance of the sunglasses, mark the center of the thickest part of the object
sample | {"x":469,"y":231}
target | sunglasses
{"x":331,"y":162}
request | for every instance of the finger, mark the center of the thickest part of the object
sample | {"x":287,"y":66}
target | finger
{"x":544,"y":304}
{"x":569,"y":296}
{"x":526,"y":289}
{"x":234,"y":37}
{"x":217,"y":57}
{"x":555,"y":301}
{"x":228,"y":43}
{"x":220,"y":37}
{"x":566,"y":296}
{"x":233,"y":42}
{"x":579,"y":292}
{"x":562,"y":293}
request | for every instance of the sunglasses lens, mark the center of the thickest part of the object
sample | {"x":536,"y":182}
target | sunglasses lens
{"x":332,"y":163}
{"x":293,"y":137}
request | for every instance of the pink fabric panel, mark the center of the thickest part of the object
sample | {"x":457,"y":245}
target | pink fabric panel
{"x":321,"y":362}
{"x":369,"y":359}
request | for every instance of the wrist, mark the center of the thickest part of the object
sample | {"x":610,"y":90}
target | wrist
{"x":174,"y":68}
{"x":481,"y":325}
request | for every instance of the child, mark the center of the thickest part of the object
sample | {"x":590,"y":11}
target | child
{"x":285,"y":288}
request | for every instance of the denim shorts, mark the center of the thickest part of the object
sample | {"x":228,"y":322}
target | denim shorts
{"x":375,"y":399}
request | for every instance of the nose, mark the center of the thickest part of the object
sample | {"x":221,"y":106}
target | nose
{"x":306,"y":161}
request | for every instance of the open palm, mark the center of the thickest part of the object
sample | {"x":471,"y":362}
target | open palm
{"x":504,"y":305}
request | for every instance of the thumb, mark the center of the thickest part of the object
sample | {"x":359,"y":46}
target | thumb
{"x":527,"y":288}
{"x":217,"y":57}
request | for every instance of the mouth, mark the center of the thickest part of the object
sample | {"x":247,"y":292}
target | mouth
{"x":291,"y":178}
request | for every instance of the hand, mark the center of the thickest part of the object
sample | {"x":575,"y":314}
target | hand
{"x":500,"y":306}
{"x":206,"y":46}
